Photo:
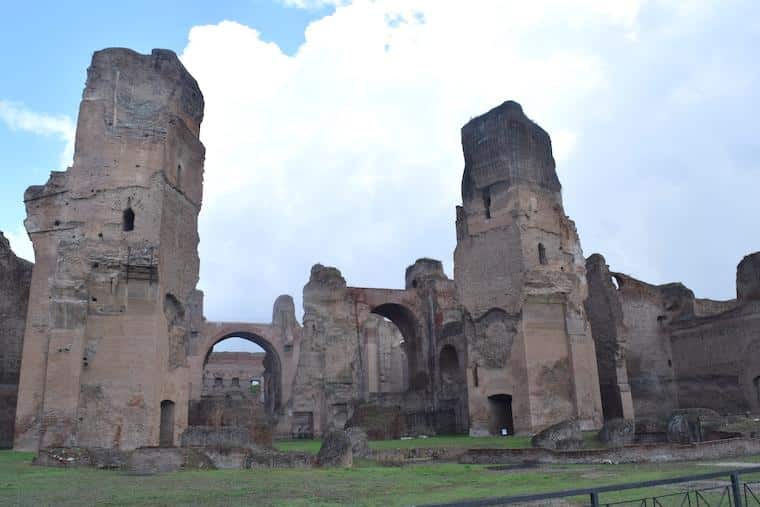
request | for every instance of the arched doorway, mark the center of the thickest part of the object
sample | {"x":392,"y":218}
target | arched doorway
{"x":500,"y":416}
{"x":404,"y":320}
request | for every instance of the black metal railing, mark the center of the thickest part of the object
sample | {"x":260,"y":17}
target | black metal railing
{"x":735,"y":494}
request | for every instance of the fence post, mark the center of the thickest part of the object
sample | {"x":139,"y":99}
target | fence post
{"x":736,"y":488}
{"x":594,"y":499}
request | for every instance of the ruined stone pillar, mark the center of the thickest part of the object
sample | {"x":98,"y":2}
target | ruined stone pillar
{"x":605,"y":312}
{"x":520,"y":275}
{"x":329,"y":371}
{"x":113,"y":301}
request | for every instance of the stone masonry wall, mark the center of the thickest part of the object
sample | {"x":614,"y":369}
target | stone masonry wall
{"x":15,"y":278}
{"x":520,"y":277}
{"x":113,"y":300}
{"x":230,"y":366}
{"x":681,"y":351}
{"x":610,"y":338}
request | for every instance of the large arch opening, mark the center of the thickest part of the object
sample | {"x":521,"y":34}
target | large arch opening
{"x":241,"y":381}
{"x":407,"y":325}
{"x":244,"y":366}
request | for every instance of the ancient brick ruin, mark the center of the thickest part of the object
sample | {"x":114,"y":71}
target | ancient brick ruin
{"x":117,"y":353}
{"x":15,"y":277}
{"x":659,"y":348}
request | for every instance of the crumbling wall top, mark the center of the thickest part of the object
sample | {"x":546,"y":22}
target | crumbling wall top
{"x":748,"y":277}
{"x":143,"y":85}
{"x":504,"y":145}
{"x":422,"y":269}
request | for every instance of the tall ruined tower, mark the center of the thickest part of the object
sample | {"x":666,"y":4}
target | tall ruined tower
{"x":113,"y":305}
{"x":520,"y":275}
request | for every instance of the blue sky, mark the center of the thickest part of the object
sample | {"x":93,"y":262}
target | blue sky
{"x":48,"y":45}
{"x":332,"y":132}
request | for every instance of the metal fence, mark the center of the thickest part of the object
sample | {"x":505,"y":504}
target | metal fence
{"x":735,"y":494}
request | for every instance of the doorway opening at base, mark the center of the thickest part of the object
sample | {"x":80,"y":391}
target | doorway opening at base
{"x":500,"y":415}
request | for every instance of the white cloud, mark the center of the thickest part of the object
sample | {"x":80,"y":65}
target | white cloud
{"x":20,"y":243}
{"x":709,"y":82}
{"x":348,"y":152}
{"x":312,"y":4}
{"x":18,"y":117}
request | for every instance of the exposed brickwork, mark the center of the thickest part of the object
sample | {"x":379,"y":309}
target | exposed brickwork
{"x":15,"y":278}
{"x":526,"y":335}
{"x":520,"y":278}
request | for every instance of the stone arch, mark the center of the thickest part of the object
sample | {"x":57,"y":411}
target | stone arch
{"x":407,"y":323}
{"x":273,"y":370}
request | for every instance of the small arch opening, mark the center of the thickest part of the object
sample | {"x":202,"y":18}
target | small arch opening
{"x":166,"y":430}
{"x":542,"y":254}
{"x":128,"y":220}
{"x":255,"y":387}
{"x":756,"y":383}
{"x":487,"y":201}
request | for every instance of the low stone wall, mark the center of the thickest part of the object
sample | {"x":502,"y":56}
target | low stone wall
{"x":210,"y":436}
{"x":151,"y":460}
{"x":418,"y":454}
{"x":649,"y":453}
{"x":146,"y":460}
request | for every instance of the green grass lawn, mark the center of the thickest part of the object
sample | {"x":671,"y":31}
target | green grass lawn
{"x":365,"y":485}
{"x":461,"y":441}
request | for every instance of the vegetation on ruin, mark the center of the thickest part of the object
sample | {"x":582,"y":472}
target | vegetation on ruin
{"x":367,"y":484}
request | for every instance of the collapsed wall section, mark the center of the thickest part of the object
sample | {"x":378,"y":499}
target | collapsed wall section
{"x":15,"y":279}
{"x":678,"y":351}
{"x":369,"y":351}
{"x":715,"y":348}
{"x":329,"y":372}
